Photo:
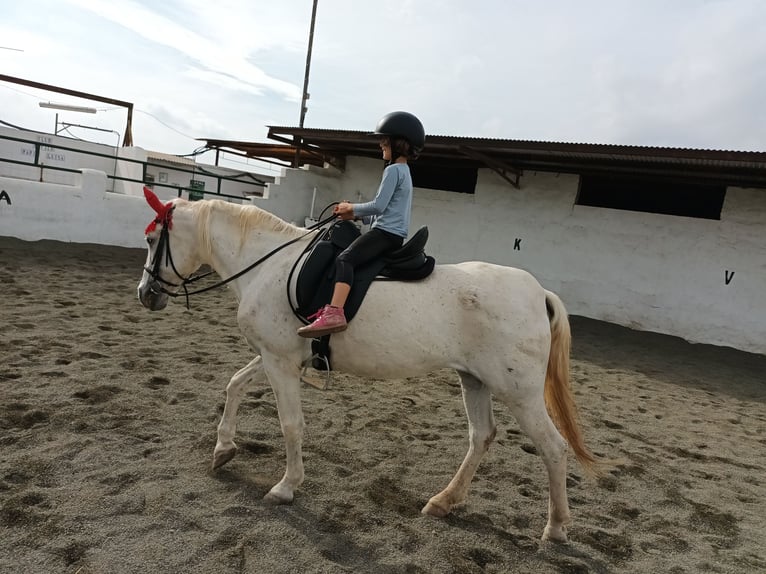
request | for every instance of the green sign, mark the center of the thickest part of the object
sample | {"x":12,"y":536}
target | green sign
{"x":196,"y":189}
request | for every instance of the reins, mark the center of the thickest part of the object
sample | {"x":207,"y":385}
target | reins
{"x":164,"y":242}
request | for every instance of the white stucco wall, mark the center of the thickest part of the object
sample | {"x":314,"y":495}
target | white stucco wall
{"x":646,"y":271}
{"x":130,"y":170}
{"x":291,"y":195}
{"x":699,"y":279}
{"x":81,"y":213}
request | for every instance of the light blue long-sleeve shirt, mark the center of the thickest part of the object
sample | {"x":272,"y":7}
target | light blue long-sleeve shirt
{"x":392,"y":204}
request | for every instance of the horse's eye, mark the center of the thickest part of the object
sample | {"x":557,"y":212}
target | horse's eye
{"x":150,"y":241}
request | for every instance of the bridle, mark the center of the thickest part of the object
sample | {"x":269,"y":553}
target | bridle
{"x":158,"y":285}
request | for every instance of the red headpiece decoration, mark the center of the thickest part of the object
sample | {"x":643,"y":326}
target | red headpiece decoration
{"x":164,"y":211}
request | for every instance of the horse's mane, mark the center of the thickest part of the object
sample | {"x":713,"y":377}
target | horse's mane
{"x":250,"y":218}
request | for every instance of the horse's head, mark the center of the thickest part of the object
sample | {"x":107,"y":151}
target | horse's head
{"x":172,"y":254}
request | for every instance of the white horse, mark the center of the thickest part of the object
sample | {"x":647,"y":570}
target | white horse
{"x":496,"y":326}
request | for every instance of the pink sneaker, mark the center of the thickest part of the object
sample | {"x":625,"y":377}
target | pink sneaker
{"x":328,"y":320}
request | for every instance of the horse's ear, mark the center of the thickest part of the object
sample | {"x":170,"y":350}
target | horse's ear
{"x":154,"y":201}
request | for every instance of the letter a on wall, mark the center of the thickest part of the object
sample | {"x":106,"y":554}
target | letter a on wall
{"x":4,"y":196}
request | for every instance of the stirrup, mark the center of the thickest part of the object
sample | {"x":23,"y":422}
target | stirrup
{"x":316,"y":381}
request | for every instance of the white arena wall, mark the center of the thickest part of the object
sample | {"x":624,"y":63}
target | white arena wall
{"x":80,"y":213}
{"x":698,"y":279}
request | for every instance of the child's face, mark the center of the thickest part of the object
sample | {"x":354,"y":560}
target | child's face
{"x":385,"y":145}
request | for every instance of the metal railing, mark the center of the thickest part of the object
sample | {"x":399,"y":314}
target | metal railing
{"x":196,"y":171}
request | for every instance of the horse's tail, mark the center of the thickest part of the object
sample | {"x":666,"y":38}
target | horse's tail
{"x":558,"y":395}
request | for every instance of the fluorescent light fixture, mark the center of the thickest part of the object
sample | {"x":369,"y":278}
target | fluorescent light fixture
{"x":67,"y":107}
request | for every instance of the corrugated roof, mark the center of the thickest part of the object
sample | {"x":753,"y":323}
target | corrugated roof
{"x":745,"y":168}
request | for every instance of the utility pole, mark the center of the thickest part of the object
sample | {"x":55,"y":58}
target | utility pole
{"x":304,"y":109}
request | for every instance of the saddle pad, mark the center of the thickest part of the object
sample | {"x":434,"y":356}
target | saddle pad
{"x":316,"y":281}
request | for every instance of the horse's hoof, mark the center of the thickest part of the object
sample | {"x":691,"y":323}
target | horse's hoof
{"x":274,"y":499}
{"x":558,"y":535}
{"x":435,"y":509}
{"x":221,"y":457}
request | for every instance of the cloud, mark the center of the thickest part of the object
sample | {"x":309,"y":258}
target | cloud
{"x":687,"y":73}
{"x":209,"y":56}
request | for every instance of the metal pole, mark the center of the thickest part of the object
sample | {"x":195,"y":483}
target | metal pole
{"x":128,"y":141}
{"x":296,"y":139}
{"x":116,"y":155}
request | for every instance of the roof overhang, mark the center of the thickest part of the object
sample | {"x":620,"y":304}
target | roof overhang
{"x":169,"y":158}
{"x":511,"y":158}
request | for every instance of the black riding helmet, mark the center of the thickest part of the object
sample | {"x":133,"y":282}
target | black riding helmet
{"x":403,"y":125}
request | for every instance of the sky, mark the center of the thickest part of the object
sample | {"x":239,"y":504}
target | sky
{"x":680,"y":73}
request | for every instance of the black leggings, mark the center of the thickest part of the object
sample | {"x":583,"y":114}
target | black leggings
{"x":365,"y":248}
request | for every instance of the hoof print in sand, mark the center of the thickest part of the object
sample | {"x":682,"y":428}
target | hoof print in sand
{"x":614,"y":545}
{"x":156,"y":383}
{"x":21,"y":415}
{"x":100,"y":394}
{"x":23,"y":510}
{"x":709,"y":520}
{"x":386,"y":493}
{"x":73,"y":552}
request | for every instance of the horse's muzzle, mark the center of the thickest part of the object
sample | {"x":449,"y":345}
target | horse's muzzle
{"x":151,"y":296}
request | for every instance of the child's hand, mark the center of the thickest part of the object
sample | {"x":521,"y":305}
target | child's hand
{"x":344,"y":210}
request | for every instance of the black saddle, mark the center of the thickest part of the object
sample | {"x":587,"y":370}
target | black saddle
{"x":316,"y":278}
{"x":409,"y":262}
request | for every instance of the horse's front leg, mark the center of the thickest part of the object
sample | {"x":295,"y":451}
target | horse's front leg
{"x":284,"y":376}
{"x":225,"y":449}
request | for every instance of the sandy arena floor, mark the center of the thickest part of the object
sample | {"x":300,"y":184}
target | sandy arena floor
{"x":108,"y":422}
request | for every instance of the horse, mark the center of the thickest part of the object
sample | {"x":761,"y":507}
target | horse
{"x":502,"y":332}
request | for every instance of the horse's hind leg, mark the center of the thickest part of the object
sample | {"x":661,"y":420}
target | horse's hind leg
{"x":535,"y":422}
{"x":225,"y":449}
{"x":481,"y":432}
